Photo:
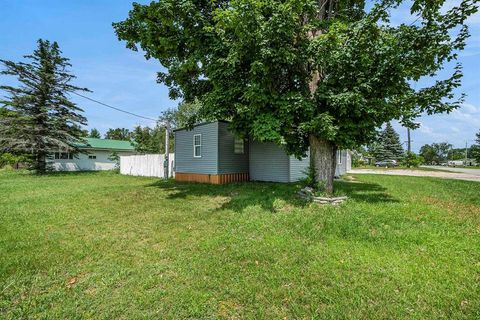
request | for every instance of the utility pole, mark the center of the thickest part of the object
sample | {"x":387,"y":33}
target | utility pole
{"x":409,"y":145}
{"x":167,"y":149}
{"x":466,"y":153}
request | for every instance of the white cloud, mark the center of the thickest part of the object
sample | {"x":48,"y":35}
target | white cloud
{"x":469,"y":108}
{"x":425,"y":129}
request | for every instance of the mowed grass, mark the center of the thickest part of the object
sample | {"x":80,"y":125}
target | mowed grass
{"x":106,"y":246}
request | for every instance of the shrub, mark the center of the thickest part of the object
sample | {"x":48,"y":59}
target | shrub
{"x":116,"y":158}
{"x":411,"y":160}
{"x":310,"y":180}
{"x":10,"y":160}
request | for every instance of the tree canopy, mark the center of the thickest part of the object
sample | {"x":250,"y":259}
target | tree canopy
{"x":150,"y":140}
{"x":94,"y":133}
{"x":39,"y":118}
{"x":287,"y":71}
{"x":388,"y":145}
{"x":436,"y":153}
{"x":118,"y":134}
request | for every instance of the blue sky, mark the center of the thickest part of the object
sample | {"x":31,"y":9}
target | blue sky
{"x":123,"y":78}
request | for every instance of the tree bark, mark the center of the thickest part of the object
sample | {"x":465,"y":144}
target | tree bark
{"x":41,"y":163}
{"x":322,"y":152}
{"x":323,"y":157}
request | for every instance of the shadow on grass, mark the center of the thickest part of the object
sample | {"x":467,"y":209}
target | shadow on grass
{"x":365,"y":192}
{"x":267,"y":195}
{"x":49,"y":174}
{"x":75,"y":173}
{"x":239,"y":195}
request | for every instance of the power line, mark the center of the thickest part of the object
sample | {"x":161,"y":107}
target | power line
{"x":114,"y":108}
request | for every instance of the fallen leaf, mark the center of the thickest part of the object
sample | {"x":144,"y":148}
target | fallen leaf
{"x":71,"y":282}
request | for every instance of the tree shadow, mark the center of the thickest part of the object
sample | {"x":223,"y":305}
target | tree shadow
{"x":365,"y":192}
{"x":239,"y":196}
{"x":271,"y":197}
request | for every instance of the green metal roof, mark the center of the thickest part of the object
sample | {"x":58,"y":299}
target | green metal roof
{"x":107,"y":144}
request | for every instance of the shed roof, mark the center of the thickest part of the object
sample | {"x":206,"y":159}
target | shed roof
{"x":107,"y":144}
{"x":199,"y":124}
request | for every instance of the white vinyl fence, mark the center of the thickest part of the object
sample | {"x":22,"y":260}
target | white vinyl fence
{"x":147,"y":165}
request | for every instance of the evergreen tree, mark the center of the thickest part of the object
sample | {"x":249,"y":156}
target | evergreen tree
{"x":143,"y":140}
{"x":83,"y":132}
{"x":388,"y":146}
{"x":148,"y":140}
{"x":45,"y":119}
{"x":94,"y":133}
{"x":118,"y":134}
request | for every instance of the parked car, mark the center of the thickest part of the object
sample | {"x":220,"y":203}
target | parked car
{"x":386,"y":163}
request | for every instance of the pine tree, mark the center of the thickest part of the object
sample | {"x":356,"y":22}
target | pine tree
{"x":94,"y":133}
{"x":46,"y":120}
{"x":388,"y":146}
{"x":118,"y":134}
{"x":148,"y":140}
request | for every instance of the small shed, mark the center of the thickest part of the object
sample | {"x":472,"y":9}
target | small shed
{"x":210,"y":153}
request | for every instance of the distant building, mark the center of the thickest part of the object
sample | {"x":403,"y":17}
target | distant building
{"x":96,"y":158}
{"x":470,"y":162}
{"x":453,"y":163}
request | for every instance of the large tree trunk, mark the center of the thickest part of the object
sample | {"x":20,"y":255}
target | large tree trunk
{"x":41,"y":163}
{"x":323,"y":158}
{"x":322,"y":152}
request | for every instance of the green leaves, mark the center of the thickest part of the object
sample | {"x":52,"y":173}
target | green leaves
{"x":387,"y":145}
{"x":253,"y":62}
{"x":41,"y":119}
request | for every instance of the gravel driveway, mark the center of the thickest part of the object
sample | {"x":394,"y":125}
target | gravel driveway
{"x":466,"y":174}
{"x":452,"y":169}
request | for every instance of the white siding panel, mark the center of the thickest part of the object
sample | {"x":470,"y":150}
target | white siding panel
{"x":81,"y":162}
{"x":298,"y":167}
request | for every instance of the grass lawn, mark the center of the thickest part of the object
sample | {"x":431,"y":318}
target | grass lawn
{"x":402,"y":168}
{"x":106,"y":246}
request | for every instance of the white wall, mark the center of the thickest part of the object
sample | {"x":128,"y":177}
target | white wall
{"x":81,"y":162}
{"x":148,"y":165}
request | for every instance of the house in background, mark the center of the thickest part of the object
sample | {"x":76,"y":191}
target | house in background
{"x":97,"y":156}
{"x":211,"y":153}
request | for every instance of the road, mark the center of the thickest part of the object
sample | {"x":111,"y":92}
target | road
{"x":459,"y":174}
{"x":475,"y":172}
